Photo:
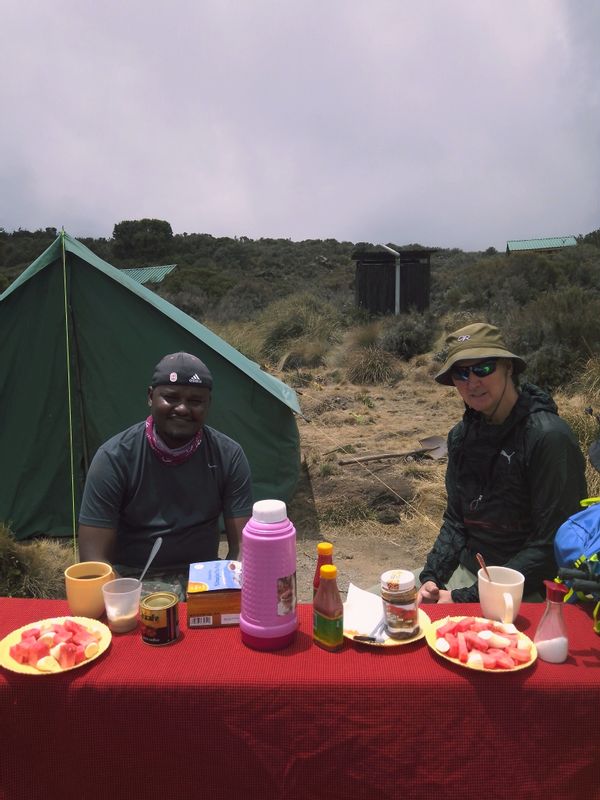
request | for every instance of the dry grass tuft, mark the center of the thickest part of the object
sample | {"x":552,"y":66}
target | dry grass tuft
{"x":372,"y":365}
{"x":591,"y":381}
{"x":32,"y":569}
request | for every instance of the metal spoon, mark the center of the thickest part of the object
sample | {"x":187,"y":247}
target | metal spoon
{"x":483,"y":566}
{"x":153,"y":552}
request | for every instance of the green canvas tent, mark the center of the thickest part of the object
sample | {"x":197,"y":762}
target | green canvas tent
{"x":78,"y":343}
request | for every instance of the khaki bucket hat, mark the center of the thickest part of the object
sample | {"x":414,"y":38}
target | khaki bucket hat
{"x":478,"y":340}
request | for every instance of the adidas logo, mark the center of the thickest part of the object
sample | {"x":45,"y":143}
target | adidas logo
{"x":195,"y":379}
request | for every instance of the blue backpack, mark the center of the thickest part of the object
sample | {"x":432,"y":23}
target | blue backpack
{"x":577,"y":546}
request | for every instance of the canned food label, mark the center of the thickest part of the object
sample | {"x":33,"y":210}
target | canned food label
{"x":160,"y":624}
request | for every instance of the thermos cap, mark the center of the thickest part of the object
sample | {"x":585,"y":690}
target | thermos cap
{"x":269,"y":511}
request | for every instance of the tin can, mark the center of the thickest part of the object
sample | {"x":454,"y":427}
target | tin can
{"x":159,"y":613}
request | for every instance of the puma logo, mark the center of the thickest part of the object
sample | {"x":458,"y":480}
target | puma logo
{"x":506,"y":455}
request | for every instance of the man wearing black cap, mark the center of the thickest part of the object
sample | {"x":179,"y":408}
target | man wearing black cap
{"x":170,"y":476}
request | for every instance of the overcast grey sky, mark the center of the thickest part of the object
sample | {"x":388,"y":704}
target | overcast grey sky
{"x":452,"y":123}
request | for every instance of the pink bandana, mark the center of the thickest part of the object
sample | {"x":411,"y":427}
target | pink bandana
{"x":164,"y":453}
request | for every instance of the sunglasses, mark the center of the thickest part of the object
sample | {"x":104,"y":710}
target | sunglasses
{"x":480,"y":370}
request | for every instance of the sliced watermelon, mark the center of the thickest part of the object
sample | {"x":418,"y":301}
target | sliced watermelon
{"x":463,"y":651}
{"x":448,"y":627}
{"x":476,"y":642}
{"x":453,"y":642}
{"x":67,"y":654}
{"x":36,"y":651}
{"x":464,"y":624}
{"x":518,"y":656}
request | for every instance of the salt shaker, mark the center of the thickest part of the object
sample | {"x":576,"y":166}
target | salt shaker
{"x":551,"y":638}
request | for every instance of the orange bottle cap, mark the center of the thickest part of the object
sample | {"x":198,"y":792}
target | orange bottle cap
{"x":328,"y":571}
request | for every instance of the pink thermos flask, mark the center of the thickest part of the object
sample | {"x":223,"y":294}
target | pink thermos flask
{"x":268,"y":618}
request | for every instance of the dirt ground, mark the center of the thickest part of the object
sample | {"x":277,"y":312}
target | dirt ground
{"x":379,"y":514}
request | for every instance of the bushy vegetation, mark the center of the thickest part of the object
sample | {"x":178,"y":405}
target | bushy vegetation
{"x":288,"y":303}
{"x":32,"y":569}
{"x":302,"y":323}
{"x":371,"y":365}
{"x":408,"y":335}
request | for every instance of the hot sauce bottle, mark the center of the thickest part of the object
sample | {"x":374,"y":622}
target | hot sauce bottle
{"x":328,"y":612}
{"x":324,"y":556}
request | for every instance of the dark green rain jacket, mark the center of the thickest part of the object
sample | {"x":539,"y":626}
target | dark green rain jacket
{"x":509,"y":488}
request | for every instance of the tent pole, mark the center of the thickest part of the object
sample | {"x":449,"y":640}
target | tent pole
{"x":84,"y":442}
{"x":69,"y":405}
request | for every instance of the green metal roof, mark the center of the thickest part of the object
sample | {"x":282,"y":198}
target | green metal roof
{"x":549,"y":243}
{"x":149,"y":274}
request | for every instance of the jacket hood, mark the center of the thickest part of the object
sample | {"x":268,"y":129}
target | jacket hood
{"x":535,"y":399}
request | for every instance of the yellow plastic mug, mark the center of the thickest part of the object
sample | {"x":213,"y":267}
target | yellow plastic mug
{"x":83,"y":584}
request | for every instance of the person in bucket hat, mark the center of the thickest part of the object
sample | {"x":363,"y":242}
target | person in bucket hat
{"x":477,"y":341}
{"x":515,"y":472}
{"x":169,"y":476}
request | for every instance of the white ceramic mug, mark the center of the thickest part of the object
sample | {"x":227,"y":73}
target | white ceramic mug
{"x":501,"y":598}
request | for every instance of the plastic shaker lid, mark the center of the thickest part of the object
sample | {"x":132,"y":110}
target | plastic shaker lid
{"x":328,"y":571}
{"x":269,"y":511}
{"x":556,"y":591}
{"x":397,"y":580}
{"x":324,"y":548}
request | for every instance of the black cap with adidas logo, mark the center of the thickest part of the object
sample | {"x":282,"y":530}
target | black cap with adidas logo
{"x":182,"y":369}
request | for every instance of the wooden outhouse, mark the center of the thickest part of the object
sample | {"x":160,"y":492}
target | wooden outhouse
{"x":391,"y":282}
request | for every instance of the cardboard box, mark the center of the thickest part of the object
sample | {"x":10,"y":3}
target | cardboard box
{"x":214,"y":594}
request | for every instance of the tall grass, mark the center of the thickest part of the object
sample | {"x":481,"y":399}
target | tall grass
{"x":32,"y":569}
{"x":302,"y":324}
{"x":372,"y":365}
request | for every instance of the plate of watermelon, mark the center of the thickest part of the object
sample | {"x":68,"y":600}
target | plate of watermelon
{"x":54,"y":645}
{"x":481,"y":644}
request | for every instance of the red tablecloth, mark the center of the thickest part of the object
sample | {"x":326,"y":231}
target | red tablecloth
{"x":208,"y":717}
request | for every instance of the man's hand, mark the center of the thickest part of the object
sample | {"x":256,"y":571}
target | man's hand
{"x":430,"y":593}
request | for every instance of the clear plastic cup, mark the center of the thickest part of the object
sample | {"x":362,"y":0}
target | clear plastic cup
{"x":122,"y":602}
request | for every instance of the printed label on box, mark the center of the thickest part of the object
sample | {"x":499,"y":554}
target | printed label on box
{"x":209,"y":576}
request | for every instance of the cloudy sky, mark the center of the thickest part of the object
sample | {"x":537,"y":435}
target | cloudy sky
{"x":452,"y":123}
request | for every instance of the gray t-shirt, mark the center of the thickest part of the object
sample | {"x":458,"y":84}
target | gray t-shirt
{"x":129,"y":488}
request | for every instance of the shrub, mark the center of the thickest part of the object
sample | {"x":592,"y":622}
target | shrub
{"x":554,"y":333}
{"x":193,"y":303}
{"x":242,"y":302}
{"x":591,"y":379}
{"x":364,"y":335}
{"x":408,"y":335}
{"x":549,"y":366}
{"x":34,"y":568}
{"x":371,"y":365}
{"x":297,"y":317}
{"x":243,"y":336}
{"x":304,"y":353}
